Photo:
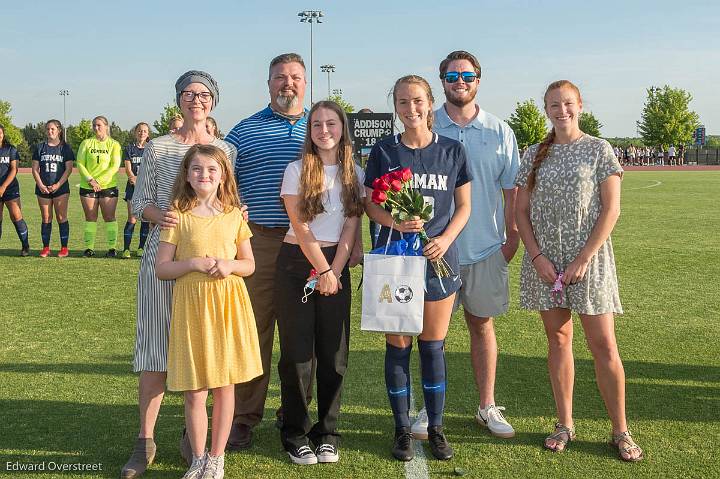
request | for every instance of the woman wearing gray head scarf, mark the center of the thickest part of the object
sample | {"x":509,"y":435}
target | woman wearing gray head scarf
{"x":196,"y":94}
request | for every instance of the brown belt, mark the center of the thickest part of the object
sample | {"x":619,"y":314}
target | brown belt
{"x":276,"y":230}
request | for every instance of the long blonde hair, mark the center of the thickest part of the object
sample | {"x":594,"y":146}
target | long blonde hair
{"x":544,"y":147}
{"x":312,"y":176}
{"x":183,"y":196}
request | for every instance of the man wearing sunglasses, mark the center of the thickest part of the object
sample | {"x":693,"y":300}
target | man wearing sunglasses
{"x":490,"y":238}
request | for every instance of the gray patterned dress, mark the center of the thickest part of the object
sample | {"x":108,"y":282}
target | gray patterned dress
{"x":564,"y":207}
{"x":159,"y":167}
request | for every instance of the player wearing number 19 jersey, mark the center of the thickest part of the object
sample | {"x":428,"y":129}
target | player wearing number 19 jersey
{"x":52,"y":163}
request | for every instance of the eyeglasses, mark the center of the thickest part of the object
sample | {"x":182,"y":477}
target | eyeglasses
{"x":189,"y":96}
{"x":467,"y":77}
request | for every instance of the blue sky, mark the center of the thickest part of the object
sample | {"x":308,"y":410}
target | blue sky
{"x":121,"y":59}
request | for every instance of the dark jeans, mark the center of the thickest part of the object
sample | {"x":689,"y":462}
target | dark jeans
{"x":319,"y":327}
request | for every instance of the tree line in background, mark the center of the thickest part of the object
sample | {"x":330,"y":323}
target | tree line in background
{"x":25,"y":139}
{"x":666,"y":119}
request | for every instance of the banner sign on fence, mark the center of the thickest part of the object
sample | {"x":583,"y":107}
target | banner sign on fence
{"x":367,"y":128}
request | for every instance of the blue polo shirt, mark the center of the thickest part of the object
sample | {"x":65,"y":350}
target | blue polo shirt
{"x":52,"y":161}
{"x":133,"y":154}
{"x":266,"y":144}
{"x":492,"y":158}
{"x":437,"y":170}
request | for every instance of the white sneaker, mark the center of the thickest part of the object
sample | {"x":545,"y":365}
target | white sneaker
{"x":419,"y":427}
{"x":196,"y":468}
{"x":492,"y":418}
{"x":214,"y":467}
{"x":327,"y":453}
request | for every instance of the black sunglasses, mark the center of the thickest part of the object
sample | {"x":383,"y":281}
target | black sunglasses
{"x":452,"y":77}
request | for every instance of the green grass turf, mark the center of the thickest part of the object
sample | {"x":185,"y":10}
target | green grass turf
{"x":67,"y":393}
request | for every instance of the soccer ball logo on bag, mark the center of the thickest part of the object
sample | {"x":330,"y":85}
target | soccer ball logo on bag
{"x":403,"y":294}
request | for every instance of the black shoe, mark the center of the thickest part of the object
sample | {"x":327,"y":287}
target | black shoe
{"x":439,"y":446}
{"x":240,"y":438}
{"x":302,"y":455}
{"x":111,"y":253}
{"x":404,"y":448}
{"x":89,"y":253}
{"x":25,"y":251}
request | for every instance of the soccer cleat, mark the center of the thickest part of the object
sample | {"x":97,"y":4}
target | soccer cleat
{"x":45,"y":252}
{"x":302,"y":455}
{"x":111,"y":253}
{"x":404,"y":448}
{"x":327,"y":453}
{"x":492,"y":418}
{"x":88,"y":253}
{"x":63,"y":252}
{"x":126,"y":254}
{"x":439,"y":446}
{"x":419,"y":427}
{"x":25,"y":251}
{"x":139,"y":252}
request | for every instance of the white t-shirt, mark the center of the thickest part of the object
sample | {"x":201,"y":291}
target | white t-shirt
{"x":326,"y":226}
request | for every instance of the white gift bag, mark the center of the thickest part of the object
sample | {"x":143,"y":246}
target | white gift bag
{"x":393,"y":294}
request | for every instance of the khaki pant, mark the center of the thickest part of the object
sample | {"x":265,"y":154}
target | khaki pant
{"x":250,"y":396}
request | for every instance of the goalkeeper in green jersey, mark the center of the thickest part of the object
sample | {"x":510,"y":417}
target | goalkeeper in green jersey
{"x":98,"y":161}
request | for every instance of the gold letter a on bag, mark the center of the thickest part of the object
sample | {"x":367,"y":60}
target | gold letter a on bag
{"x":385,"y":294}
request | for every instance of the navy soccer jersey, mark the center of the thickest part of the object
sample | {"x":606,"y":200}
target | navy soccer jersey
{"x":133,"y":154}
{"x":437,"y":170}
{"x":52,"y":161}
{"x":7,"y":154}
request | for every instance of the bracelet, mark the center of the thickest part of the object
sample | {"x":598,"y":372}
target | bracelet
{"x":535,"y":257}
{"x":324,"y":272}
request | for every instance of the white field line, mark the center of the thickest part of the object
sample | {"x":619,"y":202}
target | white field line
{"x":417,"y":468}
{"x":657,"y":183}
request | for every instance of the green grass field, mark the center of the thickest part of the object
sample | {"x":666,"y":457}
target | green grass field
{"x":67,"y":393}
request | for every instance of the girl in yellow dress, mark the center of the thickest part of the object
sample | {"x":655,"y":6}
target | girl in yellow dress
{"x":213,"y":338}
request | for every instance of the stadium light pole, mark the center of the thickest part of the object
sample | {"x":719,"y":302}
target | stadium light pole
{"x":328,"y":69}
{"x":311,"y":16}
{"x":64,"y":94}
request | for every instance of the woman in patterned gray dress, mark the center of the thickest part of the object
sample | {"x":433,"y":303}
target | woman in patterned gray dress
{"x":196,"y":94}
{"x":567,"y":205}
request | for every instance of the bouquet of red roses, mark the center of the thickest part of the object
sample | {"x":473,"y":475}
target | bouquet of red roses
{"x":395,"y":190}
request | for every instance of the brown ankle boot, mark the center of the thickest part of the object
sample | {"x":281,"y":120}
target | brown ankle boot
{"x":141,"y":457}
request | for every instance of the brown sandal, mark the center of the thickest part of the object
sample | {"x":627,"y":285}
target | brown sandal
{"x":617,"y":440}
{"x":562,"y":436}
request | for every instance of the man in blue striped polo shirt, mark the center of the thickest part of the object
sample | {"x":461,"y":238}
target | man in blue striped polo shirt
{"x":266,"y":143}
